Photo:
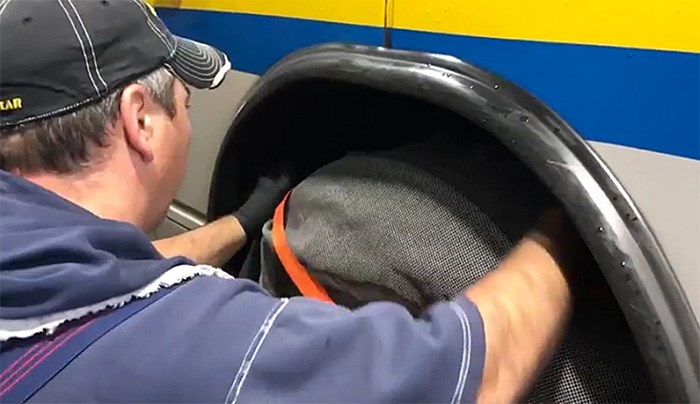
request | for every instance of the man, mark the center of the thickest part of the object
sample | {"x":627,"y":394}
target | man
{"x":94,"y":136}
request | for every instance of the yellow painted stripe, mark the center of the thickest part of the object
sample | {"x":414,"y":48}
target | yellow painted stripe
{"x":653,"y":24}
{"x":358,"y":12}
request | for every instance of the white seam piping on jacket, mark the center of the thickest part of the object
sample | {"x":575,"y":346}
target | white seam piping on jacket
{"x":82,"y":46}
{"x":25,"y":328}
{"x":3,"y":6}
{"x":247,"y":363}
{"x":466,"y":352}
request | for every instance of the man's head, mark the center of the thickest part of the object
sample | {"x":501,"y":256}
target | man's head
{"x":93,"y":102}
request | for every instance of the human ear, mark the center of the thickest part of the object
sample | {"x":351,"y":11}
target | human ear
{"x":138,"y":125}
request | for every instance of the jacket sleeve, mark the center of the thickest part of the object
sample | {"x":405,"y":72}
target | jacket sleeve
{"x":308,"y":351}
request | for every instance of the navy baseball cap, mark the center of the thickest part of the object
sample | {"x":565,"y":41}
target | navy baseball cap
{"x":58,"y":55}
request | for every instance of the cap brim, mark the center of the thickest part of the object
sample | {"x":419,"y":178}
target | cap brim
{"x":199,"y":65}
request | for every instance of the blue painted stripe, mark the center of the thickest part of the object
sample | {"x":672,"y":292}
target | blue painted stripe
{"x":639,"y":98}
{"x":254,"y":42}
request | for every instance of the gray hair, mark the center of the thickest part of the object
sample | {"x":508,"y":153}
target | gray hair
{"x":66,"y":144}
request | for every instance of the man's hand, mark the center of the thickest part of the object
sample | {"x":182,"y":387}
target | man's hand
{"x":216,"y":242}
{"x":262,"y":202}
{"x":525,"y":305}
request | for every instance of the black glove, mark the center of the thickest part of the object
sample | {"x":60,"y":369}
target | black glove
{"x":261,"y":204}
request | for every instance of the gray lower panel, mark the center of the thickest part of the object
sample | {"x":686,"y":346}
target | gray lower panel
{"x":667,"y":191}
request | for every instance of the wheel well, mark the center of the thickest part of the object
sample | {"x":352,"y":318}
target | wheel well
{"x":315,"y":106}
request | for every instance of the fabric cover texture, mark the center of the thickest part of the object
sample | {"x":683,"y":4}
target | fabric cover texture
{"x":419,"y":224}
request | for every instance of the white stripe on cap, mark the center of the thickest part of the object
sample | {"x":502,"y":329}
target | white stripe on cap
{"x":200,"y":66}
{"x":82,"y":46}
{"x":154,"y":28}
{"x":92,"y":48}
{"x":222,"y":72}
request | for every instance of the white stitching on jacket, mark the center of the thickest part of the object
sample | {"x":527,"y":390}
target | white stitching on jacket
{"x":253,"y":350}
{"x":466,"y":352}
{"x":3,"y":6}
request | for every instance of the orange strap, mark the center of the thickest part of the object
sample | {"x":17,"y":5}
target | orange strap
{"x":307,"y":285}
